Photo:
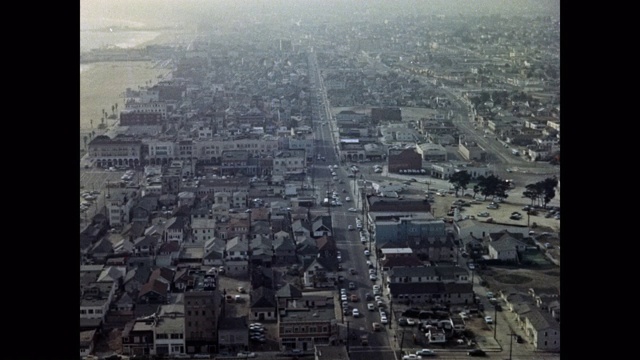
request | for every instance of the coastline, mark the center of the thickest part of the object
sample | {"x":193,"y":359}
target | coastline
{"x":102,"y":84}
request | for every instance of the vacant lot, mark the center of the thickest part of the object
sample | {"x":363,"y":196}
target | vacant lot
{"x":542,"y":280}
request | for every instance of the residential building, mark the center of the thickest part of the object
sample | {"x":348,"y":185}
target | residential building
{"x":169,"y":330}
{"x":309,"y":321}
{"x":233,"y":335}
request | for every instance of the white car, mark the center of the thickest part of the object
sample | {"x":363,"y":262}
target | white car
{"x":425,"y":352}
{"x":353,"y":209}
{"x":347,"y":199}
{"x":373,"y":277}
{"x":377,"y":298}
{"x":371,"y":307}
{"x":411,"y":322}
{"x":369,"y":264}
{"x":376,"y":287}
{"x":488,"y":319}
{"x":355,"y":313}
{"x":343,"y":297}
{"x":411,"y":357}
{"x":350,"y":227}
{"x":383,"y":320}
{"x":367,"y":253}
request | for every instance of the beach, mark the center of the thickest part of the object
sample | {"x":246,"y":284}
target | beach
{"x":103,"y":84}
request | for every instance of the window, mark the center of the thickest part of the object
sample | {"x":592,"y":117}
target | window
{"x":162,"y":336}
{"x":176,"y":336}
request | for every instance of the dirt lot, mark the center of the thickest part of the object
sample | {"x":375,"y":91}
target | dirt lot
{"x":542,"y":280}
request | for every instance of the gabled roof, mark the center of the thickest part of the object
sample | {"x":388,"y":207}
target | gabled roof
{"x":300,"y":226}
{"x":326,"y":244}
{"x":111,"y":273}
{"x":289,"y":291}
{"x":176,"y":223}
{"x":102,"y":246}
{"x":321,"y":223}
{"x":169,"y":247}
{"x":284,"y":244}
{"x":506,"y":244}
{"x":156,"y":286}
{"x":542,"y":320}
{"x":263,"y":297}
{"x":237,"y":244}
{"x":145,"y":241}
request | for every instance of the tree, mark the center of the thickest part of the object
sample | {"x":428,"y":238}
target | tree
{"x":113,"y":109}
{"x":460,"y":180}
{"x":85,"y":138}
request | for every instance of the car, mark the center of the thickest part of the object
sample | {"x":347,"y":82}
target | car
{"x":352,"y":286}
{"x":296,"y":352}
{"x":369,"y":264}
{"x":411,"y":357}
{"x":471,"y":266}
{"x":483,"y":214}
{"x":378,"y":298}
{"x":402,"y":322}
{"x":346,"y":312}
{"x":463,"y":315}
{"x":353,"y":210}
{"x":488,"y":319}
{"x":347,"y":199}
{"x":343,"y":291}
{"x":492,"y":206}
{"x":355,"y":313}
{"x":371,"y":307}
{"x":350,"y":227}
{"x":352,"y":271}
{"x":377,"y":326}
{"x":425,"y":352}
{"x":354,"y":298}
{"x":345,"y":304}
{"x":410,"y":322}
{"x":375,"y":287}
{"x":489,"y":294}
{"x":383,"y":320}
{"x":368,"y":296}
{"x":245,"y":354}
{"x":367,"y":252}
{"x":372,"y":271}
{"x":476,"y":352}
{"x":343,"y":297}
{"x":373,"y":277}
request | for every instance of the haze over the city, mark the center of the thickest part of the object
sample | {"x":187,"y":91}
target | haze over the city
{"x":134,"y":13}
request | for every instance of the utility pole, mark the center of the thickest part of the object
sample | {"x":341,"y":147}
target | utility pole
{"x":495,"y":321}
{"x":401,"y":341}
{"x":348,"y":337}
{"x":511,"y":335}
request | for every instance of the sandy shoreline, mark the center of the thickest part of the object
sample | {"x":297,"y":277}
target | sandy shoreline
{"x":103,"y":84}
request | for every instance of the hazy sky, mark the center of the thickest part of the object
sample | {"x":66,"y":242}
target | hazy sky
{"x":164,"y":12}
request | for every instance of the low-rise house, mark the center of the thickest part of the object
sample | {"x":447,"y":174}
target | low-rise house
{"x":284,"y":249}
{"x":168,"y":253}
{"x":158,"y":288}
{"x":135,"y":278}
{"x":262,"y":253}
{"x":436,"y":335}
{"x":137,"y":337}
{"x":543,"y":329}
{"x":146,"y":245}
{"x":95,"y":299}
{"x":176,"y":229}
{"x":236,"y":261}
{"x":87,"y":342}
{"x":264,"y":306}
{"x":169,"y":330}
{"x":321,"y":226}
{"x":506,"y":249}
{"x":321,"y":273}
{"x":214,"y":252}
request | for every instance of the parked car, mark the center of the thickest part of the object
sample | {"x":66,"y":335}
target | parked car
{"x":411,"y":357}
{"x":488,"y":319}
{"x":425,"y":352}
{"x":371,"y":307}
{"x":352,"y":285}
